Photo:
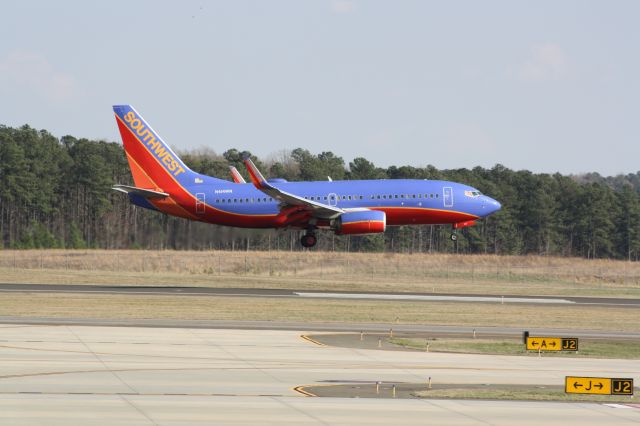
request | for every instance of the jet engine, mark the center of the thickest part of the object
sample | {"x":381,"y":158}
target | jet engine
{"x":361,"y":222}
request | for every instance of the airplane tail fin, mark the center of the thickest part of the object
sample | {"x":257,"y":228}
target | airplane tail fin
{"x":153,"y":163}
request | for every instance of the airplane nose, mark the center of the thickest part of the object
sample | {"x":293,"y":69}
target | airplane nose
{"x":494,"y":205}
{"x":490,"y":205}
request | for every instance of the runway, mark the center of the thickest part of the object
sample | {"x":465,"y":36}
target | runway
{"x":70,"y":375}
{"x":292,"y":293}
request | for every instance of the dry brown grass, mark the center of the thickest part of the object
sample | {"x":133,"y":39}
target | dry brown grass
{"x":511,"y":393}
{"x":327,"y":271}
{"x":303,"y":310}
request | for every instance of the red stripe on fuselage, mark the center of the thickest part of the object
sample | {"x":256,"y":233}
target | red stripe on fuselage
{"x":422,"y":216}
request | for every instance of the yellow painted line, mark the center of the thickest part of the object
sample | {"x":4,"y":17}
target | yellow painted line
{"x":309,"y":339}
{"x":300,"y":389}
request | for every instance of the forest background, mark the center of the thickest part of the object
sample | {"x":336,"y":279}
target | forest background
{"x":56,"y":193}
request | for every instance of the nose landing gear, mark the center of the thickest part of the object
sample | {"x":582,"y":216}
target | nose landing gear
{"x":454,"y":235}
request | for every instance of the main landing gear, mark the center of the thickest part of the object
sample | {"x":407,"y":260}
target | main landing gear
{"x":309,"y":239}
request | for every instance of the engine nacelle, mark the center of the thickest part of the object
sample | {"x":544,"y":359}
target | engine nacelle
{"x":361,"y":222}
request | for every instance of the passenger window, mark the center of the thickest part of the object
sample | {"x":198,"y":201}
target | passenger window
{"x":384,"y":196}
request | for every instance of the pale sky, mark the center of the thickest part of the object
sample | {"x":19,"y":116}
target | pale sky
{"x":543,"y":85}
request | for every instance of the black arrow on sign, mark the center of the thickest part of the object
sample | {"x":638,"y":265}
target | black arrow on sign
{"x":599,"y":386}
{"x":576,"y":385}
{"x":552,"y":344}
{"x":534,"y":343}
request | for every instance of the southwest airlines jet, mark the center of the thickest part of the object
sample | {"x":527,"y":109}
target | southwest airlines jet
{"x":164,"y":183}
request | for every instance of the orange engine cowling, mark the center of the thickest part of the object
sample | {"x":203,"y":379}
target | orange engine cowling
{"x":361,"y":222}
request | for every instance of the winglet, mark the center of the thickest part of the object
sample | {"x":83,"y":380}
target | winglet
{"x":237,"y":177}
{"x":256,"y":177}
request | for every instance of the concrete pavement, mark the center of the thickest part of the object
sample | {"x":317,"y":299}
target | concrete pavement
{"x":116,"y":375}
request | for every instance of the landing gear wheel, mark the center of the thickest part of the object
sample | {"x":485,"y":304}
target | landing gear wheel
{"x":454,"y":237}
{"x":308,"y":240}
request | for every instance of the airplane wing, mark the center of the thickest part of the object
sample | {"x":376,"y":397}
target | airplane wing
{"x":237,"y":177}
{"x":146,"y":193}
{"x":319,"y":210}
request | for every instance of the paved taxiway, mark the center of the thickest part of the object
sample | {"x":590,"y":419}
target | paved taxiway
{"x":128,"y":375}
{"x":288,"y":293}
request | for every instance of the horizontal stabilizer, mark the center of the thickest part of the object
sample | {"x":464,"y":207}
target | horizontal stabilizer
{"x":146,"y":193}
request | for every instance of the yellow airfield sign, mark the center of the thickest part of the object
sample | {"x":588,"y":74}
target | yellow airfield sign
{"x":598,"y":385}
{"x":535,"y":343}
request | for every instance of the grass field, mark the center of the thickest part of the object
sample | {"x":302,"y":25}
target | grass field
{"x":588,"y":348}
{"x":439,"y":273}
{"x":533,"y":393}
{"x":451,"y":391}
{"x":307,"y":310}
{"x":323,"y":271}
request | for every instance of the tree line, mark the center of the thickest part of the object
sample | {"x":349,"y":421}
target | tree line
{"x":57,"y":193}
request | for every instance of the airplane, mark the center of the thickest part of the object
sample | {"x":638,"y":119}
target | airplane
{"x":163,"y":182}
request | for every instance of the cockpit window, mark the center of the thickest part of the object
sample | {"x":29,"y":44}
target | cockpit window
{"x":472,"y":194}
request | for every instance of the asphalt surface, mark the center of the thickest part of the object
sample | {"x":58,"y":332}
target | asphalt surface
{"x":315,"y":327}
{"x":292,"y":293}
